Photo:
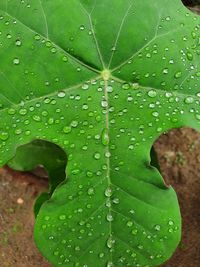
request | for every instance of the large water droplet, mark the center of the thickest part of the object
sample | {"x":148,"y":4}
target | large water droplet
{"x":4,"y":135}
{"x":152,"y":93}
{"x":16,"y":61}
{"x":105,"y":137}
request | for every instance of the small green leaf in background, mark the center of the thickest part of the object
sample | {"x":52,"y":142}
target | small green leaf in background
{"x":102,"y":80}
{"x":44,"y":153}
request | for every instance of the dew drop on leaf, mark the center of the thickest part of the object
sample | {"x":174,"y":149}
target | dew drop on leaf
{"x":129,"y":223}
{"x":101,"y":255}
{"x":16,"y":61}
{"x":171,"y":222}
{"x":62,"y":217}
{"x":67,"y":129}
{"x":18,"y":43}
{"x":178,"y":75}
{"x":91,"y":191}
{"x":109,"y":217}
{"x":3,"y":135}
{"x":105,"y":137}
{"x":108,"y":192}
{"x":189,"y":100}
{"x":110,"y":264}
{"x":189,"y":56}
{"x":61,"y":94}
{"x":152,"y":93}
{"x":97,"y":155}
{"x":65,"y":59}
{"x":157,"y":227}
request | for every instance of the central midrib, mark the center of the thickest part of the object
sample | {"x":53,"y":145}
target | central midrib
{"x":108,"y":160}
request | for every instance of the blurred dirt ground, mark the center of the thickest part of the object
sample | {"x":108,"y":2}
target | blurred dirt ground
{"x":179,"y":157}
{"x":17,"y":194}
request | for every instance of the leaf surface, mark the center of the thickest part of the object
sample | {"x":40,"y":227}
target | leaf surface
{"x":40,"y":153}
{"x":102,"y":80}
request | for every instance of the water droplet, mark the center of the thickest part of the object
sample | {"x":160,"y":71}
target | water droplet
{"x":110,"y":242}
{"x":18,"y":43}
{"x":16,"y":61}
{"x":23,"y":111}
{"x":140,"y":247}
{"x":97,"y":155}
{"x":165,"y":71}
{"x":116,"y":200}
{"x":82,"y":27}
{"x":152,"y":93}
{"x":110,"y":264}
{"x":36,"y":118}
{"x":62,"y":217}
{"x":65,"y":59}
{"x":133,"y":255}
{"x":189,"y":100}
{"x":4,"y":135}
{"x":198,"y":116}
{"x":101,"y":255}
{"x":104,"y":103}
{"x":178,"y":75}
{"x":67,"y":129}
{"x":109,"y":217}
{"x":132,"y":211}
{"x":155,"y":114}
{"x":11,"y":111}
{"x":91,"y":191}
{"x":37,"y":37}
{"x":105,"y":137}
{"x":171,"y":222}
{"x":126,"y":86}
{"x":47,"y":218}
{"x":135,"y":86}
{"x":74,"y":124}
{"x":189,"y":56}
{"x":108,"y":192}
{"x":157,"y":227}
{"x":129,"y":224}
{"x":85,"y":86}
{"x":134,"y":232}
{"x":61,"y":94}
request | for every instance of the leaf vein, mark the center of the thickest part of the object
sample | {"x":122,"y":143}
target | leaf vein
{"x":73,"y":58}
{"x":119,"y":33}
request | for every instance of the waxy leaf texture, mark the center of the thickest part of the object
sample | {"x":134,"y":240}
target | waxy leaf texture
{"x":102,"y":80}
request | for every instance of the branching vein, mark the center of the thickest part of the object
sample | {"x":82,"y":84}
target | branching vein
{"x":119,"y":32}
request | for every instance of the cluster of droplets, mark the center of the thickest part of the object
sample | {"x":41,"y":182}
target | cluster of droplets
{"x":161,"y":109}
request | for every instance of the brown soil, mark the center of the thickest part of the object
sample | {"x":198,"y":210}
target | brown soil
{"x":179,"y":158}
{"x":17,"y":194}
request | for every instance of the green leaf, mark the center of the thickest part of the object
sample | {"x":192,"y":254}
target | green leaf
{"x":43,"y":197}
{"x":44,"y":153}
{"x":154,"y":159}
{"x":102,"y":80}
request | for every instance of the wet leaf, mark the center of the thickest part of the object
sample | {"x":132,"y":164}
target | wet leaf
{"x":102,"y":80}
